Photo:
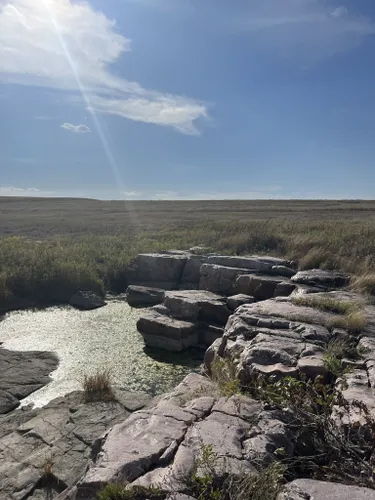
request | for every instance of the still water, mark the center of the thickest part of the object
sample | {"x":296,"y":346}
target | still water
{"x":87,"y":340}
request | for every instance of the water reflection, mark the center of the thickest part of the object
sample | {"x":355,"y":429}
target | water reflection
{"x":86,"y":340}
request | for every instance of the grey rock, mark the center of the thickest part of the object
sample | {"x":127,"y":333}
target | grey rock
{"x":260,"y":287}
{"x":310,"y":489}
{"x":253,"y":262}
{"x":140,"y":296}
{"x":86,"y":300}
{"x":21,"y":373}
{"x":167,"y":333}
{"x":220,"y":279}
{"x":284,"y":289}
{"x":7,"y":402}
{"x":283,"y":271}
{"x":191,"y":273}
{"x":321,"y":277}
{"x":163,"y":270}
{"x":238,"y":300}
{"x":63,"y":431}
{"x":197,"y":305}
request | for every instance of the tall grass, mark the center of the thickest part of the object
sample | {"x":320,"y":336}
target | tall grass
{"x":52,"y":270}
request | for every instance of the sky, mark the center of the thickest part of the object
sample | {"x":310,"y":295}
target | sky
{"x":187,"y":99}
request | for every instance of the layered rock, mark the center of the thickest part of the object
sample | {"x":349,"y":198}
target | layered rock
{"x":309,"y":489}
{"x":86,"y":300}
{"x":187,"y":318}
{"x":143,"y":296}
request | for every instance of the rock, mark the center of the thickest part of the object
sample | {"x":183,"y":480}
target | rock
{"x":22,"y":373}
{"x":321,"y":277}
{"x":260,"y":287}
{"x":162,"y":270}
{"x":238,"y":300}
{"x":140,"y":296}
{"x":161,"y":446}
{"x":7,"y":402}
{"x":200,"y":250}
{"x":310,"y":489}
{"x":167,"y":333}
{"x":265,"y":338}
{"x":255,"y":263}
{"x":209,"y":333}
{"x":191,"y":273}
{"x":63,"y":431}
{"x":220,"y":279}
{"x":284,"y":289}
{"x":283,"y":271}
{"x":197,"y":305}
{"x":86,"y":300}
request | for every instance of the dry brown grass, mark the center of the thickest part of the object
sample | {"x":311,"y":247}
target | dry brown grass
{"x":98,"y":386}
{"x":364,"y":284}
{"x":354,"y":322}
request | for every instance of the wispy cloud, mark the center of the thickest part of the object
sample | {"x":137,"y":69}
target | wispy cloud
{"x":16,"y":191}
{"x":70,"y":46}
{"x":78,"y":129}
{"x":312,"y":29}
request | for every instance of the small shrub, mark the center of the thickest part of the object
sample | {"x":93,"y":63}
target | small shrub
{"x":121,"y":492}
{"x":265,"y":485}
{"x":98,"y":386}
{"x":48,"y":468}
{"x":223,"y":373}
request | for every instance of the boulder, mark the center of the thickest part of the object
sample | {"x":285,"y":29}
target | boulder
{"x":220,"y":279}
{"x":260,"y":287}
{"x":167,"y":333}
{"x":141,"y":296}
{"x":283,"y":271}
{"x":284,"y":289}
{"x":238,"y":300}
{"x":197,"y":305}
{"x":322,"y":278}
{"x":162,"y":270}
{"x":86,"y":300}
{"x":310,"y":489}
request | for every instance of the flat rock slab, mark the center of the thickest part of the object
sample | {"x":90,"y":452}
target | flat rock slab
{"x":21,"y":373}
{"x":260,"y":287}
{"x":309,"y":489}
{"x":162,"y":270}
{"x":143,"y":296}
{"x":252,"y":262}
{"x":221,"y":279}
{"x":321,"y":277}
{"x":66,"y":431}
{"x":197,"y":305}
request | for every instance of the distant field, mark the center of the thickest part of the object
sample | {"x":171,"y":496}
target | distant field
{"x":40,"y":217}
{"x":49,"y":247}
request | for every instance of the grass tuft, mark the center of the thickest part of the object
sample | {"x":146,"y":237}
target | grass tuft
{"x":364,"y":284}
{"x":354,"y":322}
{"x":98,"y":386}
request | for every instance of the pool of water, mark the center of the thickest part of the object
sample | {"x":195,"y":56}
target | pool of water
{"x":87,"y":340}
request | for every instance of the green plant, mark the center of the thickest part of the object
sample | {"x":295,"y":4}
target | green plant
{"x":122,"y":492}
{"x":223,"y":373}
{"x":265,"y":485}
{"x":98,"y":386}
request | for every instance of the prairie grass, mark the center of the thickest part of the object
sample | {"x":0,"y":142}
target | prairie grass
{"x":326,"y":303}
{"x":93,"y":250}
{"x":98,"y":386}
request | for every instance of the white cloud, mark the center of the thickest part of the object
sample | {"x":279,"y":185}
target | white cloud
{"x":80,"y":129}
{"x":132,"y":194}
{"x":70,"y":46}
{"x":313,"y":29}
{"x":15,"y":191}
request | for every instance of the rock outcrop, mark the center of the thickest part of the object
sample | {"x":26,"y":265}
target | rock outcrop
{"x":22,"y":373}
{"x":160,"y":446}
{"x":309,"y":489}
{"x":62,"y":436}
{"x":187,"y":318}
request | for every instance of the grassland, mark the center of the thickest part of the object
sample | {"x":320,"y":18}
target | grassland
{"x":50,"y":247}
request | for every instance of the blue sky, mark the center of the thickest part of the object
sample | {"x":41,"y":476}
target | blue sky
{"x":169,"y":99}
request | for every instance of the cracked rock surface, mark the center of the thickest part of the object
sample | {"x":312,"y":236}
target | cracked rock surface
{"x":65,"y":433}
